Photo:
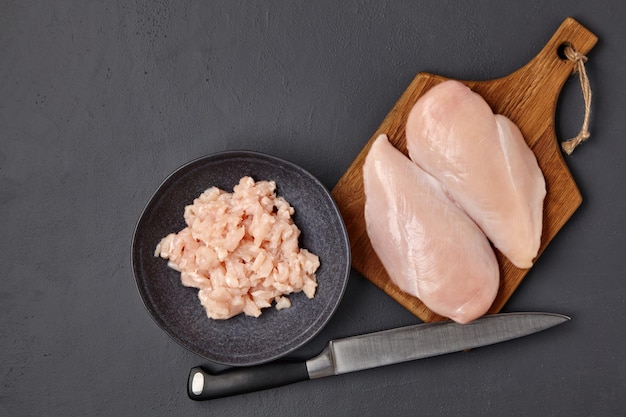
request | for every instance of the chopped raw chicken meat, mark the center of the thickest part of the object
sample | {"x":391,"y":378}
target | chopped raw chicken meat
{"x":483,"y":163}
{"x":241,"y":251}
{"x":429,"y":246}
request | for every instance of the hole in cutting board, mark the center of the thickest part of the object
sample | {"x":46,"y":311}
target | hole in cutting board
{"x":560,"y":51}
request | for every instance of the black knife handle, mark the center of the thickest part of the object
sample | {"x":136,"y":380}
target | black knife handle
{"x":206,"y":386}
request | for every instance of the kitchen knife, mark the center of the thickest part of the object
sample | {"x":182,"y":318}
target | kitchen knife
{"x":372,"y":350}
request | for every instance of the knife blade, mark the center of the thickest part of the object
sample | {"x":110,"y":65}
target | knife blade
{"x":370,"y":351}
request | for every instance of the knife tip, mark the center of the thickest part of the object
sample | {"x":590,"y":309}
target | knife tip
{"x":558,"y":318}
{"x":563,"y":316}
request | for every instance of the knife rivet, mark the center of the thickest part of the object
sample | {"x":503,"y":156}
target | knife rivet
{"x":197,"y":383}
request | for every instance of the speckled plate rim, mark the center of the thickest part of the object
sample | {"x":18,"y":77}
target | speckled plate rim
{"x":199,"y":341}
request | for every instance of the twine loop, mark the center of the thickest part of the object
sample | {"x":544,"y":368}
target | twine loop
{"x":579,"y":59}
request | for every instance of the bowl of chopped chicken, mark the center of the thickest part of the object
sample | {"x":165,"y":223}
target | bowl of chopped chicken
{"x":241,"y":257}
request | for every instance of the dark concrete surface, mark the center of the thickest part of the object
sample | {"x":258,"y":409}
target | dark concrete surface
{"x":100,"y":101}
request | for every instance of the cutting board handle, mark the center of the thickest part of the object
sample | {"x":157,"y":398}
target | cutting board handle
{"x":539,"y":81}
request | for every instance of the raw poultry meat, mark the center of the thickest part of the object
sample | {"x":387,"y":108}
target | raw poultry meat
{"x":428,"y":245}
{"x":240,"y":250}
{"x":483,"y":163}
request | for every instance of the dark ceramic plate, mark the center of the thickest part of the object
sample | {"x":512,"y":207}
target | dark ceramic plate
{"x":241,"y":340}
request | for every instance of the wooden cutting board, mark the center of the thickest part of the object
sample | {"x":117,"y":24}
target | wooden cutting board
{"x":528,"y":97}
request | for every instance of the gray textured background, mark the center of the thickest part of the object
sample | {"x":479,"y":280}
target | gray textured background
{"x":100,"y":101}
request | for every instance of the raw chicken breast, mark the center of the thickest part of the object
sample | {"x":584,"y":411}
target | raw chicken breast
{"x":483,"y":163}
{"x":429,"y":247}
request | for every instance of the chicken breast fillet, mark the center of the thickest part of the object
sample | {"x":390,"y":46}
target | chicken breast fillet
{"x":429,"y":246}
{"x":483,"y":163}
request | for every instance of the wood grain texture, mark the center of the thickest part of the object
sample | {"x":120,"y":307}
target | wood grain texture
{"x":528,"y":97}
